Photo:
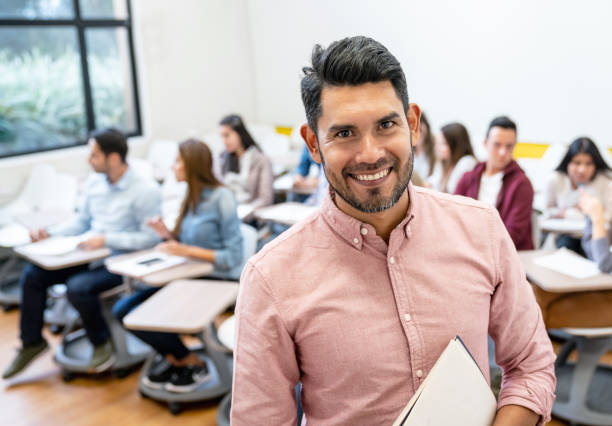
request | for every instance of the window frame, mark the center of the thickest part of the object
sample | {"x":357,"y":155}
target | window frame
{"x":81,"y":24}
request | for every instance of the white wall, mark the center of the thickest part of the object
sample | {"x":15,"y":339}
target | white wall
{"x":545,"y":63}
{"x":194,"y":65}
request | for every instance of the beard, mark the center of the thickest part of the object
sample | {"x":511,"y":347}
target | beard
{"x":376,"y":201}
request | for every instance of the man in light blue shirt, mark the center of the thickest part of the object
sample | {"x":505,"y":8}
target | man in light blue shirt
{"x":117,"y":203}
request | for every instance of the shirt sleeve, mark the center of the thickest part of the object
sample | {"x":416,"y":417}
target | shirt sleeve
{"x":305,"y":162}
{"x":597,"y":250}
{"x":551,"y":195}
{"x":522,"y":347}
{"x":230,"y":255}
{"x":518,"y":218}
{"x":146,"y":205}
{"x":265,"y":365}
{"x":265,"y":188}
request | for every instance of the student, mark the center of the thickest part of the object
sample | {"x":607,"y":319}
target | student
{"x":424,"y":154}
{"x":245,"y":168}
{"x":582,"y":167}
{"x":117,"y":203}
{"x":500,"y":182}
{"x":358,"y":302}
{"x":302,"y":178}
{"x":454,"y":156}
{"x":583,"y":309}
{"x":208,"y":228}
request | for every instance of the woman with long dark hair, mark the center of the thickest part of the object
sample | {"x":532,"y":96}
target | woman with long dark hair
{"x":207,"y":228}
{"x":424,"y":154}
{"x":582,"y":168}
{"x":246,"y":170}
{"x":455,"y":156}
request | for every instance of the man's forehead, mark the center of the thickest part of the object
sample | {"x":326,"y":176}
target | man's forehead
{"x":499,"y":134}
{"x":341,"y":103}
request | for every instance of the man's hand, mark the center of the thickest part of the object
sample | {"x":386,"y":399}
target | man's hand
{"x":38,"y":234}
{"x":174,"y":248}
{"x":92,"y":243}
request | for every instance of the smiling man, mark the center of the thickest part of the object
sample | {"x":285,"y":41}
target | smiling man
{"x":358,"y":301}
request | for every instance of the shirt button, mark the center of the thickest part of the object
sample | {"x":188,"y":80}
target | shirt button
{"x":392,"y":260}
{"x":364,"y":231}
{"x":356,"y":240}
{"x":407,"y":317}
{"x":419,"y":373}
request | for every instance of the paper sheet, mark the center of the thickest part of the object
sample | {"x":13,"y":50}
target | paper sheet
{"x":568,"y":263}
{"x":56,"y":246}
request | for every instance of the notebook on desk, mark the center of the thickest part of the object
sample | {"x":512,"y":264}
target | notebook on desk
{"x":454,"y":392}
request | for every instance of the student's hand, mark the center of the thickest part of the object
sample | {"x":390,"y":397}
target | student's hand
{"x":38,"y":234}
{"x":92,"y":243}
{"x":298,"y":181}
{"x":158,"y":225}
{"x":174,"y":248}
{"x":591,"y":206}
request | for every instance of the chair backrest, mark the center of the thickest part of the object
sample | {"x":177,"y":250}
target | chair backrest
{"x":535,"y":228}
{"x":249,"y":241}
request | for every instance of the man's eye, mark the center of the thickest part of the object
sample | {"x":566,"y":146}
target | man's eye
{"x":387,"y":124}
{"x":344,"y":133}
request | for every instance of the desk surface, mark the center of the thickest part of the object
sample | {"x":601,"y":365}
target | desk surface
{"x":74,"y":258}
{"x":184,"y":306}
{"x":556,"y":282}
{"x":285,"y":184}
{"x":563,"y":226}
{"x":285,"y":213}
{"x":192,"y":268}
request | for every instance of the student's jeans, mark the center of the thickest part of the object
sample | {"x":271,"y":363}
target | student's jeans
{"x":84,"y":285}
{"x":163,"y":343}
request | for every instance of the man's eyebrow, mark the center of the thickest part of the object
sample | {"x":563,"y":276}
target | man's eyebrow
{"x":388,"y":117}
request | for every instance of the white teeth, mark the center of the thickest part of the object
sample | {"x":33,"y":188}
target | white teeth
{"x":375,"y":176}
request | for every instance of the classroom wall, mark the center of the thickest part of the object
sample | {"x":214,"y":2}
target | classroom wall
{"x":194,"y":64}
{"x":545,"y":63}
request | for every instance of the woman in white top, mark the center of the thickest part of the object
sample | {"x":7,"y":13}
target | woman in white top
{"x":582,"y":168}
{"x":424,"y":156}
{"x":455,"y":156}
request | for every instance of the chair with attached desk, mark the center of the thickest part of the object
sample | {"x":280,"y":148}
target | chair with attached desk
{"x":584,"y":388}
{"x":75,"y":350}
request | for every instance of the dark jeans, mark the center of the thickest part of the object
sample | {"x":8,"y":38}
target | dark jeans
{"x":574,"y":244}
{"x":83,"y":288}
{"x":163,"y":343}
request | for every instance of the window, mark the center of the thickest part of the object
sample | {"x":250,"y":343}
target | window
{"x":67,"y":68}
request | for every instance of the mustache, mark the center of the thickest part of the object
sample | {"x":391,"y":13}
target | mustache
{"x":384,"y":162}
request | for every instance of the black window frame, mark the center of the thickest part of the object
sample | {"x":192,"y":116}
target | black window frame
{"x":81,"y":24}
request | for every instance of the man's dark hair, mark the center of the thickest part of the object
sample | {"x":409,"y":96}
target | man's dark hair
{"x":351,"y":61}
{"x":503,"y":122}
{"x":111,"y":140}
{"x":584,"y":145}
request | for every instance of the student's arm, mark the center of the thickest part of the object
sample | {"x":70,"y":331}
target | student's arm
{"x":518,"y":219}
{"x":303,"y":169}
{"x":552,"y":209}
{"x":522,"y":347}
{"x":146,"y":205}
{"x":265,"y":188}
{"x":595,"y":241}
{"x":265,"y":365}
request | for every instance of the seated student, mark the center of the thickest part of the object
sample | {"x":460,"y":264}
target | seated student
{"x":500,"y":182}
{"x":424,"y":155}
{"x":302,"y":178}
{"x":245,"y":168}
{"x":582,"y":167}
{"x":583,"y":309}
{"x":454,"y":157}
{"x":208,"y":228}
{"x":117,"y":203}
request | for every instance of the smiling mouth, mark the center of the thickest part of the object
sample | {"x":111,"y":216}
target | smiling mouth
{"x":371,"y":178}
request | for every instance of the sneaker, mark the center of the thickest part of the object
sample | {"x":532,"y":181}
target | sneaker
{"x":159,"y":375}
{"x":187,"y":379}
{"x":24,"y":357}
{"x":103,"y":357}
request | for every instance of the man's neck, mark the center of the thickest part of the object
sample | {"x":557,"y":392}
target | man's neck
{"x":384,"y":222}
{"x":490,"y":170}
{"x":113,"y":176}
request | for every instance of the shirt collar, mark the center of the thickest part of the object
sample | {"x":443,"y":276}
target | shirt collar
{"x":123,"y":182}
{"x":355,"y":232}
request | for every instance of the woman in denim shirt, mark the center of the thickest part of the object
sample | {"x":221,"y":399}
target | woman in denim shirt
{"x":207,"y":228}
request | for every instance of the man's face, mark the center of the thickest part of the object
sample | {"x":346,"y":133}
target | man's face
{"x":365,"y":144}
{"x":97,"y":160}
{"x":500,"y":145}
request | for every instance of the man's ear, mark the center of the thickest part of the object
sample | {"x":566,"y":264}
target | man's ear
{"x":310,"y":138}
{"x":414,"y":121}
